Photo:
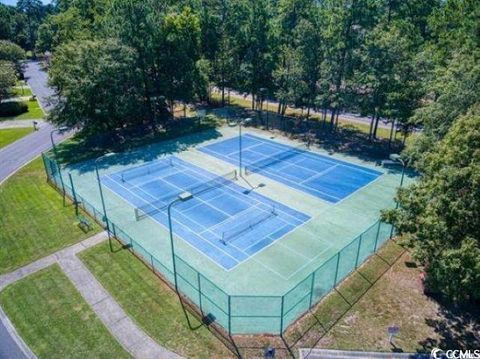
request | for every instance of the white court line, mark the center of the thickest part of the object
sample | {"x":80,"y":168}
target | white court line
{"x":307,"y":188}
{"x":311,"y":260}
{"x":128,"y":190}
{"x":187,"y":228}
{"x":183,"y":215}
{"x":253,"y":208}
{"x":319,"y":174}
{"x":319,"y":156}
{"x":303,"y":189}
{"x":248,"y":256}
{"x":214,"y":245}
{"x":156,"y":178}
{"x":257,"y":204}
{"x":293,"y":250}
{"x":277,"y":173}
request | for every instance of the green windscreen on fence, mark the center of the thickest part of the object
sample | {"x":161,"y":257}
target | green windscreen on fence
{"x":239,"y":314}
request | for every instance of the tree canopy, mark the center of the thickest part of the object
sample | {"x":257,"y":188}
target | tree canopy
{"x":440,"y":214}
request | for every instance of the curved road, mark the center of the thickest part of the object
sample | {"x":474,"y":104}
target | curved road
{"x":19,"y":153}
{"x":15,"y":156}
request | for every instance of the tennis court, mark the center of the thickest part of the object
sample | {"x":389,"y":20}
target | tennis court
{"x":254,"y":252}
{"x":226,"y":222}
{"x":327,"y":178}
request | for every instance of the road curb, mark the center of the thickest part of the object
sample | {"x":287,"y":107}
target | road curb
{"x":15,"y":336}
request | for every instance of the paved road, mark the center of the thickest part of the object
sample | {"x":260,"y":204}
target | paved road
{"x":27,"y":148}
{"x":17,"y":155}
{"x":37,"y":79}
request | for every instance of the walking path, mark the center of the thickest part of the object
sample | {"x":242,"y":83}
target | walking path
{"x":17,"y":99}
{"x":126,"y":332}
{"x":21,"y":123}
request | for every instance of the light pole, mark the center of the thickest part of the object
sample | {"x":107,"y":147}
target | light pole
{"x":59,"y":130}
{"x":240,"y":123}
{"x":395,"y":157}
{"x":185,"y":196}
{"x":105,"y":218}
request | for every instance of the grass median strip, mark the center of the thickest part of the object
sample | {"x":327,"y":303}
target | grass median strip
{"x":34,"y":222}
{"x":54,"y":320}
{"x":10,"y":135}
{"x":150,"y":303}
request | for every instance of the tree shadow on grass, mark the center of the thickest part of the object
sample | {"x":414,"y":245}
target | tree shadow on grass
{"x":457,"y":327}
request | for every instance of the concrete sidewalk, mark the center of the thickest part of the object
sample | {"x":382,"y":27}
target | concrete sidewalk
{"x":126,"y":332}
{"x":21,"y":123}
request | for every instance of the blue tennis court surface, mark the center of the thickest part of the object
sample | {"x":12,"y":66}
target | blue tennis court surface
{"x":324,"y":177}
{"x":223,"y":220}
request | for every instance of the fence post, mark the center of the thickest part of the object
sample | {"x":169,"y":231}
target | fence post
{"x":376,"y":237}
{"x":52,"y":171}
{"x":358,"y":250}
{"x":45,"y":166}
{"x":199,"y":293}
{"x":74,"y":194}
{"x":114,"y":230}
{"x":281,"y":313}
{"x":336,"y":270}
{"x":61,"y":179}
{"x":311,"y":290}
{"x":229,"y":315}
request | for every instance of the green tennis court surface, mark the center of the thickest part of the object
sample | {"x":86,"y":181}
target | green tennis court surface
{"x":229,"y":259}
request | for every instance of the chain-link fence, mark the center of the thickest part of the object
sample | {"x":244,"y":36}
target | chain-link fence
{"x":245,"y":314}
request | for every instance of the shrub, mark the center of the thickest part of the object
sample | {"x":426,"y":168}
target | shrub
{"x":12,"y":108}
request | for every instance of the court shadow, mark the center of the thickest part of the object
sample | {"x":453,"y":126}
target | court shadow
{"x":80,"y":154}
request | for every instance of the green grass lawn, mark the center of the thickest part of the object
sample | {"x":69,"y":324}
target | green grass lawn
{"x":33,"y":221}
{"x":54,"y":320}
{"x":21,"y":91}
{"x":153,"y":305}
{"x":9,"y":135}
{"x":385,"y":291}
{"x":324,"y":317}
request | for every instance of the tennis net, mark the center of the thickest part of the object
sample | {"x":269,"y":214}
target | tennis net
{"x":161,"y":204}
{"x":230,"y":235}
{"x":146,"y":169}
{"x":274,"y":159}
